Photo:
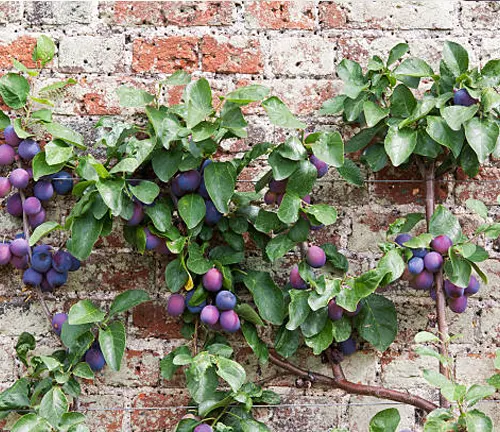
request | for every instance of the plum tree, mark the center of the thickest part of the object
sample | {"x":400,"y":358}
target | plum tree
{"x":19,"y":178}
{"x":441,"y":244}
{"x":28,"y":149}
{"x":5,"y":254}
{"x":61,"y":261}
{"x":7,"y":154}
{"x":57,"y":322}
{"x":137,"y":215}
{"x":194,"y":309}
{"x":32,"y":278}
{"x":335,"y":312}
{"x":225,"y":300}
{"x":56,"y":279}
{"x":43,"y":190}
{"x":433,"y":261}
{"x":424,"y":280}
{"x":212,"y":215}
{"x":458,"y":305}
{"x":209,"y":315}
{"x":296,"y":280}
{"x":15,"y":205}
{"x":41,"y":261}
{"x":463,"y":98}
{"x":189,"y":181}
{"x":4,"y":187}
{"x":62,"y":182}
{"x":11,"y":137}
{"x":95,"y":359}
{"x":19,"y":247}
{"x":32,"y":206}
{"x":212,"y":280}
{"x":402,"y":238}
{"x":321,"y":167}
{"x":229,"y":321}
{"x":416,"y":265}
{"x":176,"y":305}
{"x":473,"y":286}
{"x":316,"y":257}
{"x":453,"y":290}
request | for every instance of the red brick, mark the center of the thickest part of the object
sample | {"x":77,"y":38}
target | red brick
{"x":237,"y":55}
{"x":331,"y":15}
{"x":280,"y":15}
{"x":179,"y":13}
{"x":103,"y":420}
{"x":152,"y":320}
{"x":158,"y":420}
{"x":20,"y":49}
{"x":165,"y":54}
{"x":472,"y":188}
{"x":405,"y":192}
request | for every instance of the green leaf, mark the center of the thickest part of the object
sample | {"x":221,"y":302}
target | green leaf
{"x":85,"y":312}
{"x":267,"y":296}
{"x":57,"y":152}
{"x":476,"y":421}
{"x":57,"y":85}
{"x":490,"y":74}
{"x":351,"y":173}
{"x":31,"y":423}
{"x":111,"y":194}
{"x":14,"y":90}
{"x":279,"y":246}
{"x":292,"y":149}
{"x":176,"y":275}
{"x":414,"y":67}
{"x":25,"y":343}
{"x":426,"y":146}
{"x":50,"y":362}
{"x":374,"y":113}
{"x":424,"y":107}
{"x":375,"y":157}
{"x":282,"y":168}
{"x":420,"y":241}
{"x":359,"y":288}
{"x":66,"y":134}
{"x":478,"y":392}
{"x":167,"y":367}
{"x":377,"y":322}
{"x":161,"y":216}
{"x":457,"y":115}
{"x":494,"y":381}
{"x":289,"y":208}
{"x":82,"y":370}
{"x":191,"y":209}
{"x":298,"y":309}
{"x":333,"y":106}
{"x":197,"y":263}
{"x":314,"y":323}
{"x":231,"y":372}
{"x":53,"y":405}
{"x":399,"y":144}
{"x":44,"y":50}
{"x":477,"y":207}
{"x":303,"y":178}
{"x":482,"y":136}
{"x":328,"y":147}
{"x":71,"y":333}
{"x":112,"y":344}
{"x":85,"y":231}
{"x":133,"y":97}
{"x":436,"y":379}
{"x":385,"y":421}
{"x":15,"y":397}
{"x":267,"y":221}
{"x":335,"y":258}
{"x":444,"y":222}
{"x":319,"y":300}
{"x":392,"y":263}
{"x":165,"y":164}
{"x":323,"y":213}
{"x":397,"y":52}
{"x":456,"y":58}
{"x":4,"y":120}
{"x":127,"y":300}
{"x":42,"y":230}
{"x":439,"y":131}
{"x":220,"y":181}
{"x":253,"y":340}
{"x":322,"y":340}
{"x":280,"y":115}
{"x":460,"y":269}
{"x":199,"y":102}
{"x":351,"y":73}
{"x":287,"y":342}
{"x":246,"y":312}
{"x":145,"y":191}
{"x":248,"y":94}
{"x":425,"y":336}
{"x":402,"y":101}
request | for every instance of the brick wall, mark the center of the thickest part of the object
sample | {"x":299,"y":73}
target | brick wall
{"x":292,"y":47}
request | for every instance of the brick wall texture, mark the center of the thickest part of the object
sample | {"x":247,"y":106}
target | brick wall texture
{"x":292,"y":47}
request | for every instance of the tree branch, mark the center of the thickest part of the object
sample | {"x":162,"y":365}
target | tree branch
{"x":341,"y":383}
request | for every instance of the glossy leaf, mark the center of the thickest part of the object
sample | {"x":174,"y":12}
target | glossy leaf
{"x":112,"y":344}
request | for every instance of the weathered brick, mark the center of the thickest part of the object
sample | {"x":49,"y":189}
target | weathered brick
{"x":480,"y":14}
{"x":278,"y":15}
{"x":58,"y":13}
{"x":91,"y":54}
{"x":470,"y":188}
{"x":179,"y":13}
{"x":331,"y":15}
{"x":152,"y":320}
{"x":231,"y":55}
{"x":165,"y":54}
{"x":20,"y":49}
{"x":475,"y":368}
{"x":104,"y":413}
{"x":311,"y":56}
{"x":11,"y":11}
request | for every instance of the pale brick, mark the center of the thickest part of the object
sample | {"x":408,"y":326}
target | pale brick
{"x":474,"y":368}
{"x":480,"y":14}
{"x":58,"y":13}
{"x":11,"y":11}
{"x":91,"y":54}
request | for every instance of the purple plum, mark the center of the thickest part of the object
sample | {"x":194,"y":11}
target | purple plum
{"x":61,"y":261}
{"x":452,"y":290}
{"x":348,"y":347}
{"x":356,"y":312}
{"x":433,"y":262}
{"x":458,"y":305}
{"x":203,"y":428}
{"x":57,"y":322}
{"x":472,"y":287}
{"x":56,"y":279}
{"x":62,"y":182}
{"x":212,"y":280}
{"x":316,"y":257}
{"x":441,"y":244}
{"x":424,"y":280}
{"x":202,"y":190}
{"x":212,"y":215}
{"x":41,"y":261}
{"x":11,"y":137}
{"x":176,"y":305}
{"x":43,"y":190}
{"x":95,"y":359}
{"x":37,"y":219}
{"x":416,"y":265}
{"x":420,"y":252}
{"x":7,"y":154}
{"x":401,"y":239}
{"x":32,"y":277}
{"x":209,"y":315}
{"x":463,"y":98}
{"x":278,"y":186}
{"x":28,"y":149}
{"x":19,"y":178}
{"x":32,"y":206}
{"x":270,"y":197}
{"x":19,"y":247}
{"x":151,"y":240}
{"x":321,"y":167}
{"x":230,"y":321}
{"x":194,"y":309}
{"x":137,"y":215}
{"x":4,"y":187}
{"x":189,"y":181}
{"x":296,"y":280}
{"x":75,"y":264}
{"x":335,"y":312}
{"x":5,"y":254}
{"x":15,"y":205}
{"x":225,"y":300}
{"x":20,"y":263}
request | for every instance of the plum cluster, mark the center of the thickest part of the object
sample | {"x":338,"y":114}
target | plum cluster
{"x":48,"y":269}
{"x":424,"y":263}
{"x":17,"y":150}
{"x":316,"y":258}
{"x":217,"y":311}
{"x":94,"y":356}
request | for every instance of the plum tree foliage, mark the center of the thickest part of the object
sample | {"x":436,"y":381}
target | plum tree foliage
{"x":161,"y":181}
